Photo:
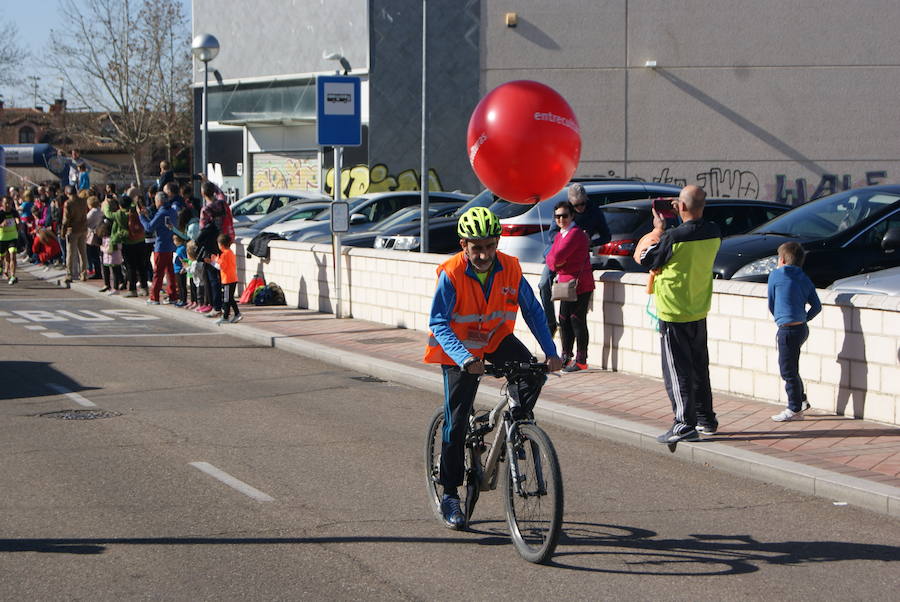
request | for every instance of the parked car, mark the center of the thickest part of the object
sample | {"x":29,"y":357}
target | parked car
{"x":442,"y":236}
{"x":525,"y":226}
{"x":882,"y":282}
{"x":365,"y":210}
{"x":404,"y":217}
{"x":628,"y":221}
{"x":258,"y":204}
{"x":299,"y":210}
{"x":844,"y":234}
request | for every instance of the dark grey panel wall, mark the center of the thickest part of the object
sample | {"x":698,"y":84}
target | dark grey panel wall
{"x":396,"y":86}
{"x":279,"y":37}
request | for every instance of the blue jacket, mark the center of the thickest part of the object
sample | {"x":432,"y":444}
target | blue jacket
{"x":790,"y":290}
{"x":445,"y":300}
{"x":157,"y":225}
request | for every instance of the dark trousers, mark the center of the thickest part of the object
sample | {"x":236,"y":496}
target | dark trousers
{"x":182,"y":285}
{"x":790,"y":339}
{"x":573,"y":326}
{"x":545,"y":290}
{"x":134,"y":262}
{"x":459,"y":395}
{"x":116,"y":276}
{"x":685,"y":368}
{"x":230,"y":303}
{"x":213,"y":287}
{"x":94,"y":263}
{"x":164,"y":267}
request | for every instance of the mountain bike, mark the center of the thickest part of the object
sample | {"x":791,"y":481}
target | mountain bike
{"x":521,"y":456}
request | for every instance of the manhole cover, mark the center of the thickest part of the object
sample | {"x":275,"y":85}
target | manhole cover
{"x":80,"y":414}
{"x":369,"y":379}
{"x":384,"y":341}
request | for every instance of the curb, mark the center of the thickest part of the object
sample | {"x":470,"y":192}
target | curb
{"x":804,"y":479}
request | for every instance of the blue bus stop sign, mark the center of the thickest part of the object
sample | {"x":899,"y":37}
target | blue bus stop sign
{"x":338,"y":112}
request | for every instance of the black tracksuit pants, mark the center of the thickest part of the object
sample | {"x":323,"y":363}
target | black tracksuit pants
{"x":459,"y":395}
{"x":685,"y":368}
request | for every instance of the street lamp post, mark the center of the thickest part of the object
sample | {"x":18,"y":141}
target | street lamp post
{"x":205,"y":48}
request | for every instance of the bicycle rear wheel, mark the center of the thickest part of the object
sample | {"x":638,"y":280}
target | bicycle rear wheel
{"x":433,"y":441}
{"x":534,"y":510}
{"x":468,"y":493}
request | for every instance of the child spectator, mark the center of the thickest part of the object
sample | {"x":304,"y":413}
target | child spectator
{"x":84,"y":180}
{"x":181,"y":270}
{"x":226,"y":263}
{"x":111,"y":250}
{"x":790,"y":291}
{"x":196,"y":271}
{"x":46,"y":247}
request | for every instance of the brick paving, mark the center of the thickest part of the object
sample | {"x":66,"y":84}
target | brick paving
{"x":858,"y":448}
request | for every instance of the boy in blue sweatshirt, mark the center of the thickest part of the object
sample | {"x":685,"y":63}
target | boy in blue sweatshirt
{"x":790,"y":291}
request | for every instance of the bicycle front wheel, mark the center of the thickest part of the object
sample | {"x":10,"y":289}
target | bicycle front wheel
{"x":534,"y":496}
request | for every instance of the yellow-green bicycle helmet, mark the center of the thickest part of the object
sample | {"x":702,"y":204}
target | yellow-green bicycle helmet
{"x":478,"y":223}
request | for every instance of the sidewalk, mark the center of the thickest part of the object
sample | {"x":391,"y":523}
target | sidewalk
{"x":834,"y":457}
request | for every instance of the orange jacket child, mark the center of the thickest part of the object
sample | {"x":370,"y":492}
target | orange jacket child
{"x":227,"y":264}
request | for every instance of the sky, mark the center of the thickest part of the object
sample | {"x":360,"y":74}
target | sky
{"x":34,"y":20}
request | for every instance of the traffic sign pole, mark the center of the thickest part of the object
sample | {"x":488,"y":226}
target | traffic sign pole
{"x":338,"y":124}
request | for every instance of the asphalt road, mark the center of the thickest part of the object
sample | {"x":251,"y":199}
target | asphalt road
{"x":330,"y":501}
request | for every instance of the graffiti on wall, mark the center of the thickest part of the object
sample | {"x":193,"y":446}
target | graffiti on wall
{"x":741,"y":183}
{"x":360,"y":179}
{"x":796,"y":191}
{"x":294,"y":171}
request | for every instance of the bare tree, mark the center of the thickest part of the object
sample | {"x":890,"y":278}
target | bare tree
{"x":11,"y":54}
{"x":110,"y":60}
{"x":172,"y":97}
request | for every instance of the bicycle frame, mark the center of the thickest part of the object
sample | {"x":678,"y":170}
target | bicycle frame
{"x":488,"y":475}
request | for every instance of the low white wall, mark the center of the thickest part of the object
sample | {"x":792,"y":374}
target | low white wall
{"x":850,"y":364}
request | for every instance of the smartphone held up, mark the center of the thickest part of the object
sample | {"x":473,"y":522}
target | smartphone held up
{"x":664,"y":208}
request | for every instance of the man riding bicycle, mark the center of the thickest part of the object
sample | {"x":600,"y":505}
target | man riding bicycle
{"x":473,"y":315}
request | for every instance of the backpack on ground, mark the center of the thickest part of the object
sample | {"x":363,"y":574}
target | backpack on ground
{"x":247,"y":296}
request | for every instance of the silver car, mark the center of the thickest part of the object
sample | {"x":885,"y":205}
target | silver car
{"x":882,"y":282}
{"x":525,"y":227}
{"x":256,"y":205}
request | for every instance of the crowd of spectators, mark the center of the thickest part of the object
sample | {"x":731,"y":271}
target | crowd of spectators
{"x":161,"y":235}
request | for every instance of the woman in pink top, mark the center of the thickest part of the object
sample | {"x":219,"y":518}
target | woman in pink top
{"x":570,"y":258}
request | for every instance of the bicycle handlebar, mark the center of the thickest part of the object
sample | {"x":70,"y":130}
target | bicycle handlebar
{"x":513,"y":369}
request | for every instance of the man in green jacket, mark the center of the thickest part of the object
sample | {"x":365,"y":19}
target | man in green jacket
{"x":683,"y":260}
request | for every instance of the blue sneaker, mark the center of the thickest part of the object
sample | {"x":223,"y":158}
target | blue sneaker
{"x":452,"y":513}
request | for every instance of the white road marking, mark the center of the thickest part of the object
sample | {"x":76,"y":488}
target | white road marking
{"x":59,"y":335}
{"x":17,"y":320}
{"x":35,"y":327}
{"x":73,"y":396}
{"x":232,"y":482}
{"x":4,"y":314}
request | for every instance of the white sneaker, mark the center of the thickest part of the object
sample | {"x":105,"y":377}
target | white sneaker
{"x":788,"y":415}
{"x":113,"y":292}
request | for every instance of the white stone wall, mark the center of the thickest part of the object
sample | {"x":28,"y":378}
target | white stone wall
{"x":850,"y":364}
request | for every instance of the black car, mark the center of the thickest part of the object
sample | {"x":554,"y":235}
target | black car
{"x":842,"y":234}
{"x":442,"y":236}
{"x":404,"y":217}
{"x":628,"y":221}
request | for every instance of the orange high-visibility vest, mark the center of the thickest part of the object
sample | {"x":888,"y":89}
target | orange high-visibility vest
{"x":479,"y":323}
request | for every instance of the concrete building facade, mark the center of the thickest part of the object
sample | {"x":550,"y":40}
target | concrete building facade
{"x":782,"y":100}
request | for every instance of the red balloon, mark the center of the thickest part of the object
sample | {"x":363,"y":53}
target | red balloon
{"x":524,"y":141}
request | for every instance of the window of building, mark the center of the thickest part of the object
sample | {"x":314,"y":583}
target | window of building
{"x":26,"y":135}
